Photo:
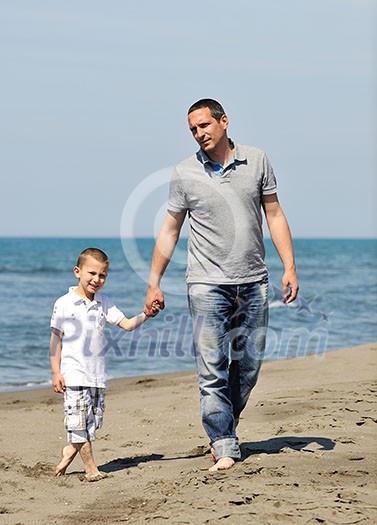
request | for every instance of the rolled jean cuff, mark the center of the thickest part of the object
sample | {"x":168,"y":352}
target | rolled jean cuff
{"x":226,"y":447}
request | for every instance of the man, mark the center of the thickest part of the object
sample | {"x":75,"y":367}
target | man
{"x":223,"y":188}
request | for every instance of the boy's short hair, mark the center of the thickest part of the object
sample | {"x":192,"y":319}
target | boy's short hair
{"x":96,"y":253}
{"x":215,"y":108}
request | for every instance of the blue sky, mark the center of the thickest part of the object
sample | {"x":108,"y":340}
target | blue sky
{"x":94,"y":98}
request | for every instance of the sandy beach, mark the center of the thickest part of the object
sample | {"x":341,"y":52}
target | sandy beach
{"x":308,"y":440}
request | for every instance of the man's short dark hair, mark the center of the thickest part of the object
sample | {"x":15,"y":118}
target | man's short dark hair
{"x":216,"y":109}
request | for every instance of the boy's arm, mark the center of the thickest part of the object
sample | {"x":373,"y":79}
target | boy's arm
{"x":58,"y":383}
{"x":131,"y":324}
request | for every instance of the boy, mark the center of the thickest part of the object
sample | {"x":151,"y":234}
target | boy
{"x":77,"y":357}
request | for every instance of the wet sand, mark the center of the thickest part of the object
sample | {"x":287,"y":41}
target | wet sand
{"x":308,"y":440}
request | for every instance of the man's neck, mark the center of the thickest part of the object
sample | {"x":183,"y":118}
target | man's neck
{"x":223,"y":153}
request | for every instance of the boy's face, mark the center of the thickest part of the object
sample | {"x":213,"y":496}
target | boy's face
{"x":91,"y":275}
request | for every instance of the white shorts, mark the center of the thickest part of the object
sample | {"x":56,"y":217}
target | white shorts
{"x":84,"y":408}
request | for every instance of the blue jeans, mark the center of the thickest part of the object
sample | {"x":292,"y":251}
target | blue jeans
{"x":229,"y":333}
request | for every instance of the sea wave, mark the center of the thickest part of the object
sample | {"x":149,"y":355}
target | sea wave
{"x":11,"y":386}
{"x":10,"y":269}
{"x":29,"y":269}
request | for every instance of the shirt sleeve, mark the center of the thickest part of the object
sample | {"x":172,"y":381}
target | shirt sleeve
{"x":269,"y":185}
{"x":57,"y":317}
{"x":112,"y":313}
{"x":177,"y":195}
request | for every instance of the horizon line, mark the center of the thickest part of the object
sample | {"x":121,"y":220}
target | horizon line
{"x":113,"y":237}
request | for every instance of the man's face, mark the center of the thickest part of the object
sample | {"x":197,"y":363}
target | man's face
{"x":206,"y":130}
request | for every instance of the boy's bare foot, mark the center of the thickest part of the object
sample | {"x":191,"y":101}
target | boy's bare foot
{"x":97,"y":476}
{"x":222,"y":464}
{"x":68,"y":455}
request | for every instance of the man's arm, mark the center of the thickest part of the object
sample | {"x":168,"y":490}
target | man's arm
{"x":281,"y":237}
{"x":163,"y":252}
{"x":58,"y":383}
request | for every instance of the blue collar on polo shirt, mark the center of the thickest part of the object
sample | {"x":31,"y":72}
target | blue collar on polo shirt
{"x":217,"y":168}
{"x":238,"y":156}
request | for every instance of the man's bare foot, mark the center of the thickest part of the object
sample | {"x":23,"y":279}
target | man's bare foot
{"x":97,"y":476}
{"x":222,"y":464}
{"x":68,"y":455}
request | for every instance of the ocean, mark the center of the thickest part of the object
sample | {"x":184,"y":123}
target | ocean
{"x":337,"y":305}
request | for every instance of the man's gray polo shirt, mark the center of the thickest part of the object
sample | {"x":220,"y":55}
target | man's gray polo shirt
{"x":226,"y":239}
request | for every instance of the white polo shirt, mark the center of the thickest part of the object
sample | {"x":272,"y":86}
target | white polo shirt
{"x":82,"y":323}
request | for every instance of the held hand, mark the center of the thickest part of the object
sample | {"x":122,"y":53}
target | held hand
{"x":58,"y":383}
{"x":289,"y":286}
{"x":154,"y":309}
{"x":154,"y":302}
